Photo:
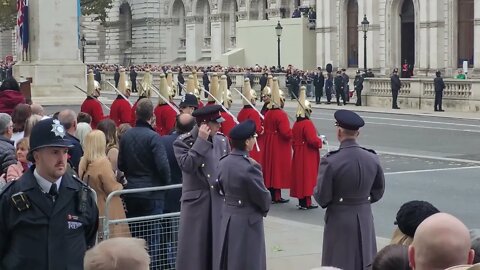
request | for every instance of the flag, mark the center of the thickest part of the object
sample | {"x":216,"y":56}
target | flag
{"x":22,"y":26}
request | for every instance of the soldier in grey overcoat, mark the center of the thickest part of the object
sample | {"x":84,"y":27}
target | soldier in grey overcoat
{"x":247,"y":201}
{"x":198,"y":153}
{"x":350,"y":179}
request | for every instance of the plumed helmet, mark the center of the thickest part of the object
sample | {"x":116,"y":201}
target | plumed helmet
{"x":276,"y":97}
{"x":195,"y":79}
{"x":227,"y":99}
{"x":248,"y":92}
{"x":92,"y":89}
{"x":214,"y":86}
{"x":190,"y":84}
{"x":304,"y":108}
{"x":124,"y":85}
{"x":146,"y":84}
{"x":164,"y":89}
{"x":173,"y":86}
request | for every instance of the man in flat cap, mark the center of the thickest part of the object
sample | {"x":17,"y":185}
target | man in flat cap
{"x":49,"y":217}
{"x":198,"y":153}
{"x":349,"y":180}
{"x":246,"y":202}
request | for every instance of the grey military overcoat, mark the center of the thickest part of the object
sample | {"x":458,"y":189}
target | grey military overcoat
{"x":198,"y":237}
{"x":349,"y":180}
{"x":247,"y":201}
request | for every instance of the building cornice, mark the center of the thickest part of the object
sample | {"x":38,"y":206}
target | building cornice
{"x":194,"y":19}
{"x":435,"y":24}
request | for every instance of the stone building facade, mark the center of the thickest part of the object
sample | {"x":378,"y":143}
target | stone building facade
{"x":429,"y":34}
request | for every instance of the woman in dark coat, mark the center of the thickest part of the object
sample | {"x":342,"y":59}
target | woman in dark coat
{"x":247,"y":201}
{"x":10,"y":96}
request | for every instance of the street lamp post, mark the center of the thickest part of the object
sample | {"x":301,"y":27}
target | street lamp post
{"x":278,"y":30}
{"x":365,"y":25}
{"x":84,"y":42}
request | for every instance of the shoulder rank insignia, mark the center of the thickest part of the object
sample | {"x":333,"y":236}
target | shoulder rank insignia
{"x":369,"y":150}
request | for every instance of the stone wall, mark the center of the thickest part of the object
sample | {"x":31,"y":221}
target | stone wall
{"x":419,"y":93}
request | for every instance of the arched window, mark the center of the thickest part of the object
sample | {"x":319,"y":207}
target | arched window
{"x":352,"y":33}
{"x":179,"y":12}
{"x":465,"y":31}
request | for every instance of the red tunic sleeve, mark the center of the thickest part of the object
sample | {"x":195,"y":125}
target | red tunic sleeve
{"x":311,"y":135}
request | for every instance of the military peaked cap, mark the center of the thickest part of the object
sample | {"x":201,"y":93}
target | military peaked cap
{"x":243,"y":130}
{"x":348,"y":120}
{"x":209,"y":113}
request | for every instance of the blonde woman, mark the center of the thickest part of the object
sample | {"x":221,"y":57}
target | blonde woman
{"x":31,"y":121}
{"x":95,"y":169}
{"x":82,"y":130}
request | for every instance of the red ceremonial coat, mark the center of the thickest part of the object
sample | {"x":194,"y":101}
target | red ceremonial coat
{"x":261,"y":137}
{"x":250,"y":113}
{"x":228,"y":124}
{"x":306,"y":158}
{"x":165,"y":119}
{"x":277,"y":157}
{"x":93,"y":107}
{"x":210,"y":103}
{"x":121,"y":111}
{"x":200,"y":104}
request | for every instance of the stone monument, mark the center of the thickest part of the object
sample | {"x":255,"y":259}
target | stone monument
{"x":53,"y":62}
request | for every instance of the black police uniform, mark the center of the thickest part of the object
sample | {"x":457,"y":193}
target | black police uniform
{"x":38,"y":232}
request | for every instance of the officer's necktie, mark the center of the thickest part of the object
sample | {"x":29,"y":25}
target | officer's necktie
{"x":53,"y":192}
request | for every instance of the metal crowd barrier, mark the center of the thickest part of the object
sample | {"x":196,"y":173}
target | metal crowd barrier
{"x":159,"y":231}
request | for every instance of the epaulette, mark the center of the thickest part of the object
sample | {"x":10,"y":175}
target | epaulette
{"x":184,"y":136}
{"x":223,"y":157}
{"x":369,"y":150}
{"x":75,"y":177}
{"x":221,"y":134}
{"x":6,"y":187}
{"x":252,"y":161}
{"x":332,"y":152}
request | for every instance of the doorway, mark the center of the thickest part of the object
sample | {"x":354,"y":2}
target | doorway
{"x":407,"y":19}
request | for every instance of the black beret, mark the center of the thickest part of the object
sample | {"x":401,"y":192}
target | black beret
{"x":348,"y":120}
{"x":189,"y":100}
{"x":210,"y":113}
{"x":243,"y":130}
{"x":48,"y":133}
{"x":411,"y":214}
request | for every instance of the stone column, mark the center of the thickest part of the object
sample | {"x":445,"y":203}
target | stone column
{"x":476,"y":45}
{"x":170,"y":30}
{"x":423,"y":41}
{"x":194,"y":37}
{"x":327,"y":38}
{"x":54,"y":64}
{"x":369,"y":8}
{"x":217,"y":38}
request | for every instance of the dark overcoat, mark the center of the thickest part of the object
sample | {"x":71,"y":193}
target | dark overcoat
{"x":46,"y":236}
{"x":247,"y":201}
{"x":201,"y":204}
{"x":349,"y":180}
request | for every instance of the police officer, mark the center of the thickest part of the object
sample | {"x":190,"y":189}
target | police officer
{"x":198,"y":153}
{"x":349,"y":180}
{"x":246,"y":202}
{"x":188,"y":104}
{"x":49,"y":217}
{"x":396,"y":85}
{"x":358,"y":84}
{"x":439,"y":87}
